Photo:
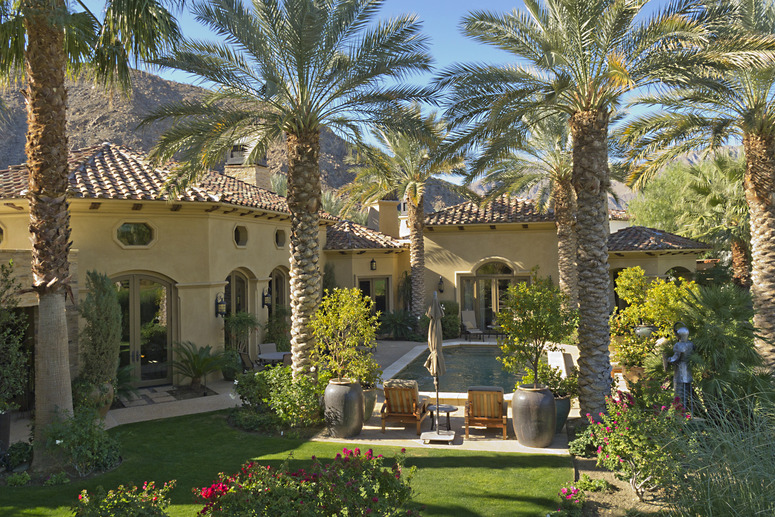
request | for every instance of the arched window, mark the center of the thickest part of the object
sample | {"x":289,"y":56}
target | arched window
{"x":279,"y":286}
{"x":147,"y":323}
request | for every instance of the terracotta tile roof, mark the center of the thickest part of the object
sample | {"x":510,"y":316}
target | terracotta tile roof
{"x":504,"y":209}
{"x":640,"y":238}
{"x":111,"y":171}
{"x":347,"y":235}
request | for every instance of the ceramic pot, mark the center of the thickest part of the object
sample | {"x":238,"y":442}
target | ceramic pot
{"x":369,"y":402}
{"x":533,"y":416}
{"x":343,"y":399}
{"x":561,"y":411}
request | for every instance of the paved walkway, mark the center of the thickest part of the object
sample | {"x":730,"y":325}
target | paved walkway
{"x":155,"y":403}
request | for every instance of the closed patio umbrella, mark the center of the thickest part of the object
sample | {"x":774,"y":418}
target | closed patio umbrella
{"x":435,"y":362}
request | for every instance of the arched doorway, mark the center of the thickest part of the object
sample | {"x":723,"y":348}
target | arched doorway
{"x":484,"y":291}
{"x":146,"y":327}
{"x":279,"y":284}
{"x":235,"y":294}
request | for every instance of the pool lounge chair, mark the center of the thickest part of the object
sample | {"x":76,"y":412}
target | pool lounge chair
{"x":469,"y":324}
{"x":486,"y":407}
{"x":403,"y":403}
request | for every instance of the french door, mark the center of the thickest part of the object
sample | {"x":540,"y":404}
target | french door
{"x":377,"y":290}
{"x":146,"y":330}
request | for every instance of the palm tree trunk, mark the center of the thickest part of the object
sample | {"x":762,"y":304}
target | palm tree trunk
{"x":759,"y":187}
{"x":304,"y":197}
{"x":741,"y":266}
{"x":567,"y":243}
{"x":46,"y":151}
{"x":416,"y":220}
{"x":591,"y":181}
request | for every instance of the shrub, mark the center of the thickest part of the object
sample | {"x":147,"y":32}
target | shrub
{"x":125,"y":501}
{"x":399,"y":324}
{"x":84,"y":443}
{"x":13,"y":360}
{"x":272,"y":399}
{"x":351,"y":484}
{"x":100,"y":338}
{"x":633,"y":441}
{"x":277,"y":328}
{"x":18,"y":479}
{"x":239,"y":326}
{"x":17,"y":454}
{"x":585,"y":444}
{"x":571,"y":502}
{"x":60,"y":478}
{"x":450,"y":323}
{"x":552,"y":378}
{"x":196,"y":362}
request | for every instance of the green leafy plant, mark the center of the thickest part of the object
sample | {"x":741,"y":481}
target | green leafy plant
{"x":571,"y":502}
{"x":345,"y":328}
{"x":125,"y":501}
{"x":450,"y":322}
{"x":584,"y":444}
{"x":196,"y":362}
{"x":399,"y":324}
{"x":17,"y":454}
{"x":352,"y":484}
{"x":587,"y":484}
{"x":100,"y":338}
{"x":56,"y":479}
{"x":633,"y":441}
{"x":13,"y":360}
{"x":83,"y":442}
{"x":18,"y":479}
{"x":552,"y":378}
{"x":534,"y":317}
{"x":239,"y":326}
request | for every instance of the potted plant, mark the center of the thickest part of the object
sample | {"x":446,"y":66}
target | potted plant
{"x":13,"y":360}
{"x":534,"y":318}
{"x":369,"y":376}
{"x":344,"y":328}
{"x":239,"y":326}
{"x":100,"y":342}
{"x":196,"y":363}
{"x":564,"y":389}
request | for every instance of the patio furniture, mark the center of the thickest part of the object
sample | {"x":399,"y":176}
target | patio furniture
{"x":486,"y":407}
{"x":443,"y":408}
{"x":268,"y":354}
{"x":247,"y":363}
{"x":403,"y":403}
{"x":469,"y":324}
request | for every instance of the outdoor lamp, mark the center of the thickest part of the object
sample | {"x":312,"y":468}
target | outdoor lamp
{"x":220,"y":305}
{"x":266,"y":298}
{"x":373,"y":265}
{"x":441,"y":284}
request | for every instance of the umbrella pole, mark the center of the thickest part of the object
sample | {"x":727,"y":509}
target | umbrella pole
{"x":436,"y":385}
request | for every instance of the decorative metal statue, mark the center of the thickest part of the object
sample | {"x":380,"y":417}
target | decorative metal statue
{"x":682,"y":377}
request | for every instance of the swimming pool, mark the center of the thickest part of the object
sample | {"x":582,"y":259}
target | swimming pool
{"x":466,"y":366}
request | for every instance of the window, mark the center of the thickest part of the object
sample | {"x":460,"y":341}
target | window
{"x":279,"y":238}
{"x":135,"y":234}
{"x":240,"y":236}
{"x":484,"y":292}
{"x":377,"y":290}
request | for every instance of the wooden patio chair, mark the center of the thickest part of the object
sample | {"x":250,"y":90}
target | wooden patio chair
{"x":403,"y":403}
{"x":469,"y":324}
{"x":486,"y":407}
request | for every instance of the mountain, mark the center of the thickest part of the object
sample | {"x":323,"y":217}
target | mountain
{"x":95,"y":117}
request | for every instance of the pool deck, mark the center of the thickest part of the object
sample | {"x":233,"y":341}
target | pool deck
{"x":392,"y":356}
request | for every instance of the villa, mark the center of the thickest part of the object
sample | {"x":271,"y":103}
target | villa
{"x":223,"y":246}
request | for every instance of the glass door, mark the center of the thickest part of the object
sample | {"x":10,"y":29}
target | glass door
{"x":146,"y":336}
{"x":377,"y":290}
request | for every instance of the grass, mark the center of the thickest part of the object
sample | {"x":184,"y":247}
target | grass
{"x":193,"y":449}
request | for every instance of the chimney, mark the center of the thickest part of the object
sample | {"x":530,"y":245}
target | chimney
{"x":388,"y":217}
{"x":257,"y":174}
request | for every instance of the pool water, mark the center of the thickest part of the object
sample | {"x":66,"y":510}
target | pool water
{"x":466,"y":366}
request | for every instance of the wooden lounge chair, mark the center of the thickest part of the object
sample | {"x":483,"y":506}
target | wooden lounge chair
{"x":469,"y":324}
{"x":403,"y":403}
{"x":486,"y":407}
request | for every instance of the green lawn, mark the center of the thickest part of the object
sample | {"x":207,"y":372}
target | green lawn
{"x":193,"y":449}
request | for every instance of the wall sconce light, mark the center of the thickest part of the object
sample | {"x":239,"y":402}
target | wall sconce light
{"x":441,"y":285}
{"x":266,"y":298}
{"x":220,"y":305}
{"x":373,"y":265}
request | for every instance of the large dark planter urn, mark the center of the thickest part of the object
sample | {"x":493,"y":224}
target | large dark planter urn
{"x":534,"y":416}
{"x":369,"y":402}
{"x":344,"y":408}
{"x":561,"y":412}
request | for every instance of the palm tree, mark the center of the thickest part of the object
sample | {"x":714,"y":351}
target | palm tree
{"x":726,"y":108}
{"x":578,"y":58}
{"x":409,"y":160}
{"x":45,"y":39}
{"x":290,"y":68}
{"x":543,"y":162}
{"x":717,"y":210}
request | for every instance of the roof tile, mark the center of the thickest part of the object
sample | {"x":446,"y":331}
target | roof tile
{"x":503,"y":209}
{"x":347,"y":235}
{"x":640,"y":238}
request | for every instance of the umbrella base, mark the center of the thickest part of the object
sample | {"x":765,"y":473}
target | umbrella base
{"x":438,"y":436}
